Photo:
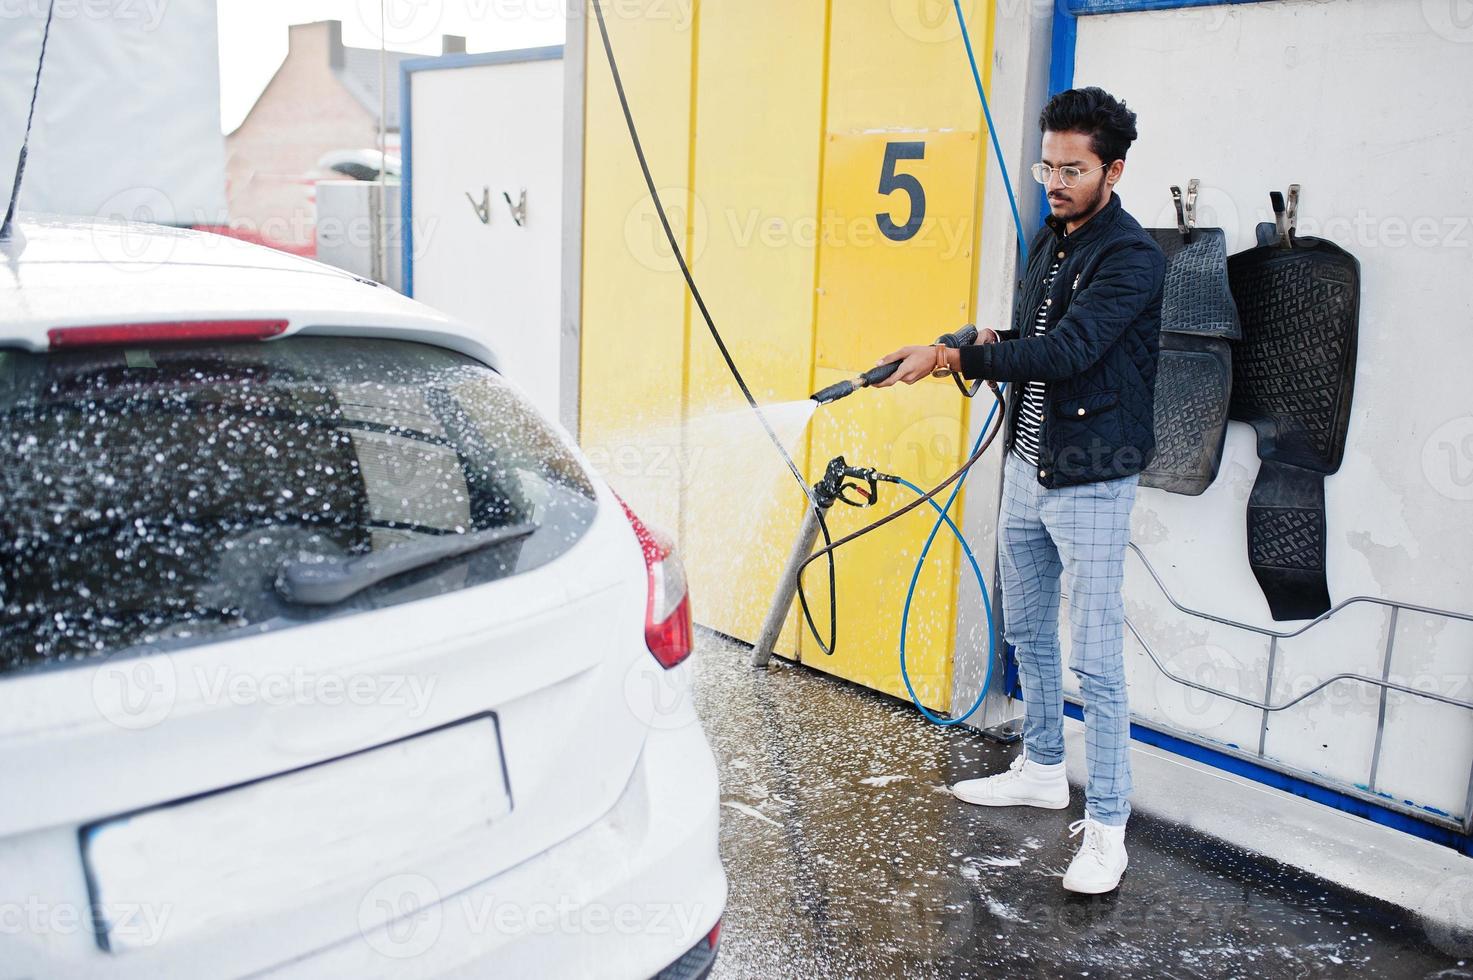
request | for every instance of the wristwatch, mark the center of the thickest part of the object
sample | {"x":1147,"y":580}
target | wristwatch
{"x":941,"y":370}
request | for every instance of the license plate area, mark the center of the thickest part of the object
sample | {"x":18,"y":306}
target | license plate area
{"x":228,"y":857}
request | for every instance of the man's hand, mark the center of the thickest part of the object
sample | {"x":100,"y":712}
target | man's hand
{"x":918,"y":361}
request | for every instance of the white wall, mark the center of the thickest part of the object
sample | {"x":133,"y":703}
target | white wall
{"x":128,"y":117}
{"x":1366,"y":105}
{"x":497,"y":126}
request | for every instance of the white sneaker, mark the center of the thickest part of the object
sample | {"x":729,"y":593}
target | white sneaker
{"x":1026,"y":783}
{"x":1101,"y":859}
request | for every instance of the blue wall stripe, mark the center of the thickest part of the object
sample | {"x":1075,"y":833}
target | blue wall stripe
{"x":406,"y":182}
{"x":1060,"y":68}
{"x":1292,"y":784}
{"x":1081,"y":8}
{"x":1061,"y":50}
{"x":1012,"y":682}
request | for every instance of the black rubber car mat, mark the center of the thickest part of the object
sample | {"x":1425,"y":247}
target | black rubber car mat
{"x":1194,"y":373}
{"x":1293,"y":380}
{"x":1197,"y":298}
{"x":1286,"y":539}
{"x":1194,"y":378}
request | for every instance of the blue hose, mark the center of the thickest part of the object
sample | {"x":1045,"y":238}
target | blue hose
{"x":910,"y":594}
{"x":1002,"y":165}
{"x":943,"y":510}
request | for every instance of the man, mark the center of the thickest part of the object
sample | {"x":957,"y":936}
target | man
{"x":1081,"y":359}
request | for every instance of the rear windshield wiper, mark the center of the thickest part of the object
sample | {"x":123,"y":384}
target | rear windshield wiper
{"x":324,"y":581}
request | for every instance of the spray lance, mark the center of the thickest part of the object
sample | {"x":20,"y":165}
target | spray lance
{"x":962,"y":338}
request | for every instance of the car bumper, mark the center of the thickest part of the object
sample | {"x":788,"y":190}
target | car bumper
{"x":625,"y":897}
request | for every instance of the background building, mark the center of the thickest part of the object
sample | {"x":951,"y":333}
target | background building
{"x":324,"y":98}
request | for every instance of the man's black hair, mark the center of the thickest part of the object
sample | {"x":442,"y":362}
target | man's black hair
{"x":1096,"y":113}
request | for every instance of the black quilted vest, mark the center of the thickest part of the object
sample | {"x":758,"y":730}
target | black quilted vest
{"x":1098,"y":423}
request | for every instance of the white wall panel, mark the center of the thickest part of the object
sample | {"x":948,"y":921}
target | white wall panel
{"x":498,"y":126}
{"x":1356,"y":101}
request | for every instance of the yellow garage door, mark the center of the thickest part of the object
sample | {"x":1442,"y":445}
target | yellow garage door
{"x":822,"y":163}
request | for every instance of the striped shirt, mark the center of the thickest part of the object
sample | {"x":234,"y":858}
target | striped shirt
{"x":1030,"y":413}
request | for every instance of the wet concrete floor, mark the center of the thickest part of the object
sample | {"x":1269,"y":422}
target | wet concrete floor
{"x":848,"y":857}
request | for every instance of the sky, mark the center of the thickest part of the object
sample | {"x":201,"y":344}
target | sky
{"x":253,"y":33}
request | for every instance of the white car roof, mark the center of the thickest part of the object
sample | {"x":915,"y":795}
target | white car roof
{"x":64,"y":272}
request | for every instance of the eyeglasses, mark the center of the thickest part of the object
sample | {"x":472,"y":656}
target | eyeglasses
{"x":1043,"y":173}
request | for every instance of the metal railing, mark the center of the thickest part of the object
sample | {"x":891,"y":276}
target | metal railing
{"x":1266,"y":706}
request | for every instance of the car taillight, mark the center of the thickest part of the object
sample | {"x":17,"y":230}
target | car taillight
{"x":165,"y":332}
{"x":667,"y":627}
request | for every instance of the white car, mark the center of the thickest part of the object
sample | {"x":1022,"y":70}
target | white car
{"x":321,"y":653}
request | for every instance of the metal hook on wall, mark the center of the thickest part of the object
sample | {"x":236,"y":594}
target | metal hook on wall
{"x":1286,"y":216}
{"x":1186,"y":210}
{"x":483,"y":206}
{"x":519,"y":209}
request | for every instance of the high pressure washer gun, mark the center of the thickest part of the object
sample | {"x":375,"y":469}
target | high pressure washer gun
{"x":964,"y":337}
{"x":835,"y":485}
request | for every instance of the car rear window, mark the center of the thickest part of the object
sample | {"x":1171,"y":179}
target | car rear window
{"x":152,"y":494}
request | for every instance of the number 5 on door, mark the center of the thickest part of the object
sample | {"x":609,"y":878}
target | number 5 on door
{"x":899,"y":228}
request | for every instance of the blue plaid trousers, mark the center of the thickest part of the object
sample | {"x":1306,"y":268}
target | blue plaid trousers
{"x":1081,"y":530}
